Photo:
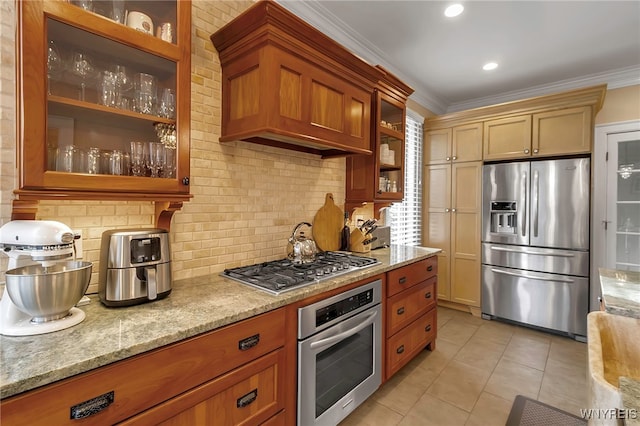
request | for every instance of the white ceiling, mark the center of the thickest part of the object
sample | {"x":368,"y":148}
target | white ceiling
{"x":541,"y":46}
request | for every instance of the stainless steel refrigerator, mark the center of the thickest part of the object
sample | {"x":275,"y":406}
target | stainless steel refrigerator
{"x":535,"y":244}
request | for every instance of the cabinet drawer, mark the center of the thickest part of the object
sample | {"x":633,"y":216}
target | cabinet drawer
{"x":148,"y":379}
{"x":407,"y":276}
{"x":250,"y":394}
{"x":408,"y":342}
{"x":408,"y":305}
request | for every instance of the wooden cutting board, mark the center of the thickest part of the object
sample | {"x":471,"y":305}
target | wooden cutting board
{"x":327,"y":225}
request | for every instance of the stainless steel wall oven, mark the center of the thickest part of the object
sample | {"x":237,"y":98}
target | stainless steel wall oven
{"x":339,"y":354}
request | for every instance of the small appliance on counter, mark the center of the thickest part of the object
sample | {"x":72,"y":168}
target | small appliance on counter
{"x":135,"y":266}
{"x":381,"y":237}
{"x":43,"y":283}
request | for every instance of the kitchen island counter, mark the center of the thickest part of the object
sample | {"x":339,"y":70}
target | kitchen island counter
{"x":195,"y":306}
{"x":620,"y":292}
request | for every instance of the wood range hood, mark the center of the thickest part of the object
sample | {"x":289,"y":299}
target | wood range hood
{"x":286,"y":84}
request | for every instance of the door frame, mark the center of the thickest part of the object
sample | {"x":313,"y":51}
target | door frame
{"x":598,"y":206}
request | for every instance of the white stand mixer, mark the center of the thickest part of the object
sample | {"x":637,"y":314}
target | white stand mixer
{"x":30,"y":242}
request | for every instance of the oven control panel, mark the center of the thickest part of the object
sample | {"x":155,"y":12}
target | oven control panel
{"x":343,"y":307}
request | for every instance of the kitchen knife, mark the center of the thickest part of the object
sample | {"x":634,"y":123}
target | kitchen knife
{"x":369,"y":241}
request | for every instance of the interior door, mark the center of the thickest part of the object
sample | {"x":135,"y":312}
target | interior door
{"x":623,"y":202}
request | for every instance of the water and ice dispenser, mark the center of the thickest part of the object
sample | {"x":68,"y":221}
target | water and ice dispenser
{"x":504,"y":217}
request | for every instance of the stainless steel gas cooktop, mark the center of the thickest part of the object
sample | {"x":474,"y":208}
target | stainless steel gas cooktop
{"x":279,"y":276}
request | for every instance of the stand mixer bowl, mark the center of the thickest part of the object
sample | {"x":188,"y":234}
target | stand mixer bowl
{"x":48,"y":293}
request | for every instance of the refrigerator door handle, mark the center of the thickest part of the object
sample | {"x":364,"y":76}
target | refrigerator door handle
{"x":513,"y":274}
{"x":523,"y":182}
{"x":534,"y":203}
{"x":531,"y":252}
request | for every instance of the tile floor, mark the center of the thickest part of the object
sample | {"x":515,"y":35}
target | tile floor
{"x":475,"y":373}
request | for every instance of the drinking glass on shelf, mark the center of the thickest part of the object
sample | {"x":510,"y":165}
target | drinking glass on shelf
{"x":93,"y":161}
{"x":54,"y":64}
{"x":169,"y":168}
{"x":108,"y":89}
{"x":82,"y":68}
{"x":116,"y":164}
{"x":145,"y":93}
{"x":167,"y":107}
{"x":138,"y":161}
{"x":124,"y":84}
{"x":117,"y":11}
{"x":156,"y":158}
{"x":85,"y":4}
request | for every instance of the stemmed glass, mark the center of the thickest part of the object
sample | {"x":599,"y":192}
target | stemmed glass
{"x":54,"y":64}
{"x":82,"y":67}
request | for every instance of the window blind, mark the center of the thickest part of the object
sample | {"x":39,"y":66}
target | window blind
{"x":406,"y":217}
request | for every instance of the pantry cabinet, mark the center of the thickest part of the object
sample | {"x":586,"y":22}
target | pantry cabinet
{"x":453,"y":145}
{"x":453,"y":220}
{"x":379,"y":178}
{"x":286,"y":84}
{"x":411,"y":319}
{"x":234,"y":375}
{"x":89,"y":85}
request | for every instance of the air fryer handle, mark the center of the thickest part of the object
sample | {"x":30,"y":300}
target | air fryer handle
{"x":152,"y":286}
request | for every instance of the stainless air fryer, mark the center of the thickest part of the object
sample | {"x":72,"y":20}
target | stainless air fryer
{"x":135,"y":266}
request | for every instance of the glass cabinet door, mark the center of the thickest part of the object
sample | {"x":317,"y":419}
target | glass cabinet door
{"x":116,"y":79}
{"x":390,"y":174}
{"x":623,"y":202}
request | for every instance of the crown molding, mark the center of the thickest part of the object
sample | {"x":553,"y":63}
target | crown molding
{"x":331,"y":25}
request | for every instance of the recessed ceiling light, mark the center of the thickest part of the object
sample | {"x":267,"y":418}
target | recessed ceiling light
{"x":490,"y":66}
{"x":453,"y":10}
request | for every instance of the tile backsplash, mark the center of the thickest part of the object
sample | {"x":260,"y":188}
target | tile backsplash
{"x":246,"y":200}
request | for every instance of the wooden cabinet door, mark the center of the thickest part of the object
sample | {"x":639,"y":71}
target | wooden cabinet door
{"x":507,"y":138}
{"x":467,"y":143}
{"x":437,"y":211}
{"x":566,"y":131}
{"x":437,"y":146}
{"x":250,"y":394}
{"x":465,"y":233}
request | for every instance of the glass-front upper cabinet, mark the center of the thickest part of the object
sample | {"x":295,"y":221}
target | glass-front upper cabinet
{"x":623,"y":204}
{"x":390,"y":169}
{"x":115,"y":80}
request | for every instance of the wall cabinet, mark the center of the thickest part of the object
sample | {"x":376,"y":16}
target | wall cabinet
{"x":455,"y":145}
{"x":286,"y":84}
{"x":411,"y":320}
{"x":104,"y":85}
{"x":235,"y":373}
{"x":559,"y":132}
{"x":379,"y":178}
{"x":453,"y":220}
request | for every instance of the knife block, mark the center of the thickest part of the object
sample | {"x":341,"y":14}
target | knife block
{"x":356,"y":240}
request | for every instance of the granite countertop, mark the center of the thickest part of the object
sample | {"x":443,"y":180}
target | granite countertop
{"x":194,"y":306}
{"x":630,"y":390}
{"x":620,"y":292}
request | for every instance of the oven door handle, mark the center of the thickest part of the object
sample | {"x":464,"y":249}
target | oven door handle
{"x":341,"y":336}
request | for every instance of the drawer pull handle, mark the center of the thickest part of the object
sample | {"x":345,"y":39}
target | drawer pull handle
{"x":400,"y":349}
{"x":91,"y":406}
{"x":430,"y":268}
{"x":247,"y":399}
{"x":400,"y":311}
{"x":402,"y":280}
{"x":428,"y":327}
{"x":427,"y":295}
{"x":249,"y":342}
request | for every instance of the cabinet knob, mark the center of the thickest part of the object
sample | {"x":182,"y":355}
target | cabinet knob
{"x":427,"y":328}
{"x":453,"y":210}
{"x":535,"y":151}
{"x":402,"y":280}
{"x":447,"y":210}
{"x":430,"y":268}
{"x":185,"y":181}
{"x":526,"y":151}
{"x":400,"y":349}
{"x":455,"y":158}
{"x":448,"y":158}
{"x":400,"y":311}
{"x":427,"y":295}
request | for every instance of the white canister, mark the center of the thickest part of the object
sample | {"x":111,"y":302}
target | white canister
{"x":139,"y":21}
